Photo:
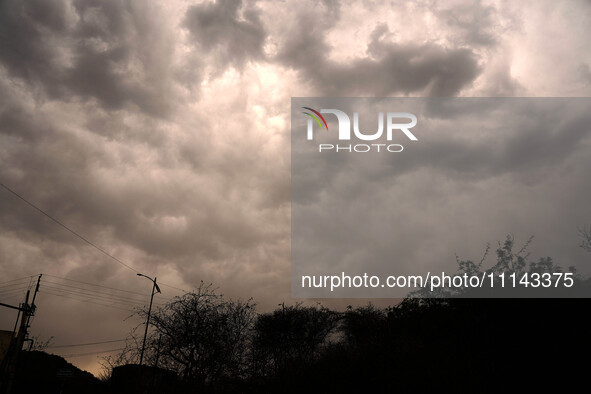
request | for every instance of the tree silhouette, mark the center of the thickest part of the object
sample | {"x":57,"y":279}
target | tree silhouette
{"x":200,"y":335}
{"x":363,"y":325}
{"x":508,"y":262}
{"x":585,"y":234}
{"x":433,"y":340}
{"x":290,"y":337}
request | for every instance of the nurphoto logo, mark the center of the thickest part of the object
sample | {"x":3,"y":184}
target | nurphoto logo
{"x":344,"y":130}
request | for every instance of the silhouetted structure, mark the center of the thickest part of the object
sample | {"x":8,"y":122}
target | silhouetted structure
{"x":5,"y":339}
{"x":140,"y":379}
{"x":39,"y":372}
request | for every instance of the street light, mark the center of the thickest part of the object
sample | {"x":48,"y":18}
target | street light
{"x":155,"y":287}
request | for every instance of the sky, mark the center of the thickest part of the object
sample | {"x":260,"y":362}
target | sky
{"x":160,"y":131}
{"x":479,"y":169}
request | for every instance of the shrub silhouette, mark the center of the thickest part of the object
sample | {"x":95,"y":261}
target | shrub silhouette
{"x":517,"y":273}
{"x":290,"y":336}
{"x":453,"y":341}
{"x":201,"y":335}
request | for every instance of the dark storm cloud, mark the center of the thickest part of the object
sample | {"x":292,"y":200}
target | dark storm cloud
{"x":529,"y":137}
{"x":27,"y":29}
{"x":474,"y":24}
{"x":232,"y":33}
{"x":108,"y":56}
{"x":524,"y":139}
{"x":388,"y":69}
{"x":69,"y":174}
{"x":111,"y":51}
{"x":93,"y":155}
{"x":107,"y":123}
{"x":480,"y":167}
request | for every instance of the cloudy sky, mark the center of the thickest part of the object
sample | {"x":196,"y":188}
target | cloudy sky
{"x":160,"y":131}
{"x":481,"y":168}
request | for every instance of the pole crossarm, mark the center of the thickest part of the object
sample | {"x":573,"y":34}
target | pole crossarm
{"x":11,"y":306}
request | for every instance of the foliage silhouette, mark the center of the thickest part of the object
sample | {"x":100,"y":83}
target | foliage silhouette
{"x":201,"y":335}
{"x":585,"y":234}
{"x":452,"y":341}
{"x":290,"y":336}
{"x":508,"y":263}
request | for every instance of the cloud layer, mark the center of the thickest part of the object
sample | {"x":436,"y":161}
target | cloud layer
{"x":161,"y":132}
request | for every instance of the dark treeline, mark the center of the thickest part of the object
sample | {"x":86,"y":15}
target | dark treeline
{"x":476,"y":346}
{"x":469,"y":344}
{"x":215,"y":344}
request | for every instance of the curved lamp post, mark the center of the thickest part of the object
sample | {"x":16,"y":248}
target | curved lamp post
{"x":157,"y":289}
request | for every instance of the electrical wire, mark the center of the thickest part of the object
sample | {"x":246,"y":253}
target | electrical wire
{"x":86,"y":300}
{"x":18,"y":279}
{"x":14,"y":289}
{"x":92,"y":284}
{"x":88,"y":354}
{"x":17,"y":289}
{"x":85,"y":293}
{"x":109,"y":293}
{"x":89,"y":292}
{"x":172,"y":287}
{"x":10,"y":297}
{"x":85,"y":344}
{"x":80,"y":236}
{"x":68,"y":228}
{"x":122,"y":305}
{"x":96,"y":299}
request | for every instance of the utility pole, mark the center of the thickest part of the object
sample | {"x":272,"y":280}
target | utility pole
{"x":158,"y":351}
{"x":16,"y":345}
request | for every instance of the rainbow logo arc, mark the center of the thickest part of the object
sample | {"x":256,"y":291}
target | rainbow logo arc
{"x":318,"y":115}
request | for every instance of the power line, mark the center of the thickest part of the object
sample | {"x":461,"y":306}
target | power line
{"x":89,"y":293}
{"x":86,"y":300}
{"x":94,"y":299}
{"x":19,"y":279}
{"x":11,"y":296}
{"x":14,"y":289}
{"x":92,"y":284}
{"x":97,"y":293}
{"x":85,"y":344}
{"x":83,"y":296}
{"x":111,"y":297}
{"x":20,"y":290}
{"x":110,"y":294}
{"x":80,"y":236}
{"x":6,"y":296}
{"x":22,"y":287}
{"x":89,"y":353}
{"x":172,"y":287}
{"x":68,"y":228}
